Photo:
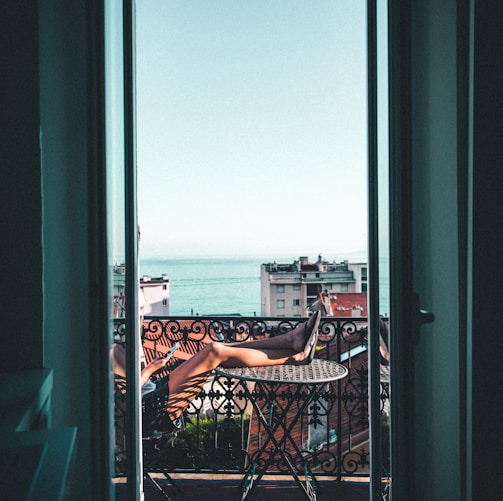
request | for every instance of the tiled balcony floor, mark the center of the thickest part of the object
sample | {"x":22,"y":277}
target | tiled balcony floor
{"x":227,"y":488}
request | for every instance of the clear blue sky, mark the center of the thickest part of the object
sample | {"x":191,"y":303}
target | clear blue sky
{"x":251,"y":123}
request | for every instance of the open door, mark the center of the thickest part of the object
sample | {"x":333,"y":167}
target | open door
{"x":426,"y":186}
{"x":122,"y":242}
{"x":380,"y":383}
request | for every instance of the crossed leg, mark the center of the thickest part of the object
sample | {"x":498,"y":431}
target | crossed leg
{"x":187,"y":380}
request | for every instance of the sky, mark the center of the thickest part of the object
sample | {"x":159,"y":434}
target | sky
{"x":251,"y":127}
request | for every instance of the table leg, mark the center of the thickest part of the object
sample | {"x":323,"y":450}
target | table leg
{"x":249,"y":482}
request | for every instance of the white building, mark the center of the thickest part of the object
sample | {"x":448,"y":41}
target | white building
{"x":154,"y":295}
{"x":288,"y":290}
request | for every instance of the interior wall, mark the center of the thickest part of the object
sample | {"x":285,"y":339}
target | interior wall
{"x":20,"y":191}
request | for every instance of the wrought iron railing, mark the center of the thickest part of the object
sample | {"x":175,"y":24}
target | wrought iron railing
{"x":223,"y":435}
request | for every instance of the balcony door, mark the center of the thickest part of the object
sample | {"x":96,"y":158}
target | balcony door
{"x":380,"y":383}
{"x":123,"y":233}
{"x":427,"y":190}
{"x":122,"y":211}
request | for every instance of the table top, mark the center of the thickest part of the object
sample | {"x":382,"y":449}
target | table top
{"x":318,"y":371}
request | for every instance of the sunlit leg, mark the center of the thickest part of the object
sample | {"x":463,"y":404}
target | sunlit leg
{"x":187,"y":380}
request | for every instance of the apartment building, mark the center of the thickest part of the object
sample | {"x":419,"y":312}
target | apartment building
{"x":154,"y":295}
{"x":290,"y":289}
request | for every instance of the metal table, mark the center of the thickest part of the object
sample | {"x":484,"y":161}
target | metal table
{"x":313,"y":376}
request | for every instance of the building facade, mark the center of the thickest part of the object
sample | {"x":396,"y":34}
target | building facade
{"x":289,"y":290}
{"x":154,"y":295}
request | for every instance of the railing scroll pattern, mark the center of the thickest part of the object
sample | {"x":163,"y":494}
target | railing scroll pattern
{"x":221,"y":433}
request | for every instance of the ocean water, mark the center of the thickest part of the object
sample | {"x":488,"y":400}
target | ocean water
{"x":210,"y":286}
{"x":224,"y":286}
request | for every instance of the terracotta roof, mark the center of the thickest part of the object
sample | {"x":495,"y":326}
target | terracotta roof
{"x":344,"y":304}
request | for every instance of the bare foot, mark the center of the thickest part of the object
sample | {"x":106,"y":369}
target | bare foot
{"x":300,"y":358}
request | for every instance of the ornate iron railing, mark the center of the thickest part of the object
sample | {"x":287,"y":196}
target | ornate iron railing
{"x":222,"y":434}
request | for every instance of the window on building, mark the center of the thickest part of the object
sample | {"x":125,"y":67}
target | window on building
{"x":296,"y":302}
{"x":280,"y":304}
{"x":280,"y":288}
{"x":296,"y":287}
{"x":164,"y":302}
{"x":164,"y":287}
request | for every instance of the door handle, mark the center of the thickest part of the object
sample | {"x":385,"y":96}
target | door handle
{"x":421,"y":317}
{"x":426,"y":317}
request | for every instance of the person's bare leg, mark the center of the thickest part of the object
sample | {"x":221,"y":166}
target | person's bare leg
{"x":187,"y":380}
{"x":282,"y":349}
{"x":183,"y":392}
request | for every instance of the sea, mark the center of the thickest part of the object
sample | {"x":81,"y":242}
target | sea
{"x":221,"y":285}
{"x":209,"y":286}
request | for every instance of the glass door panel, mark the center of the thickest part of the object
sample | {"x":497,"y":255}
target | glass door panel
{"x":383,"y":239}
{"x":380,"y":382}
{"x":122,"y":234}
{"x":114,"y":98}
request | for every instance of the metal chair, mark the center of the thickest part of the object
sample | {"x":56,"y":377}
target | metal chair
{"x":158,"y":433}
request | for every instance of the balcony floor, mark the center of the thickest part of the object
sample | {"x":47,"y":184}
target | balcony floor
{"x":227,"y":488}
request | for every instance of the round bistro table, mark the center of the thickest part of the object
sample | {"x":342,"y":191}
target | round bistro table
{"x":314,"y":376}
